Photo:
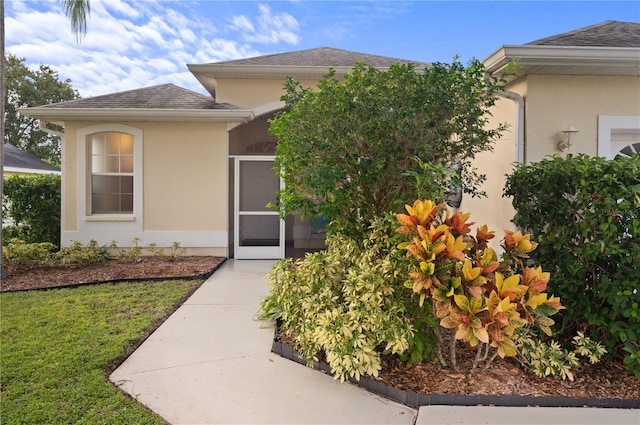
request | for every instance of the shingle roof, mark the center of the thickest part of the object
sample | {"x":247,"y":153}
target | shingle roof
{"x":320,"y":56}
{"x":165,"y":96}
{"x":604,"y":34}
{"x":17,"y":158}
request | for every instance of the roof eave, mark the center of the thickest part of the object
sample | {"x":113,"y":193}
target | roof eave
{"x":563,"y":55}
{"x":136,"y":114}
{"x":21,"y":170}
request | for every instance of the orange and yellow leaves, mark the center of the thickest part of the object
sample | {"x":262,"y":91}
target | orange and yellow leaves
{"x":478,"y":297}
{"x":518,"y":242}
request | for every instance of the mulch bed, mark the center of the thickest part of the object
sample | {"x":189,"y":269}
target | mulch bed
{"x":597,"y":383}
{"x":20,"y":278}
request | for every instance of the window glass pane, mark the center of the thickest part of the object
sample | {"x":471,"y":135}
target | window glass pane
{"x":113,"y":164}
{"x":126,"y":203}
{"x":97,"y":164}
{"x":98,"y":144}
{"x":99,"y":184}
{"x":126,"y":144}
{"x":113,"y":203}
{"x":126,"y":184}
{"x":126,"y":164}
{"x":113,"y":143}
{"x":98,"y":203}
{"x":113,"y":184}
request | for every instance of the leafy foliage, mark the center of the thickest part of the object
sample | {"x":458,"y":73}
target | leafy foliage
{"x":131,"y":254}
{"x":552,"y":360}
{"x":479,"y":300}
{"x":347,"y":150}
{"x":77,"y":253}
{"x":585,"y":213}
{"x":33,"y":203}
{"x":19,"y":252}
{"x":346,"y":302}
{"x":173,"y":254}
{"x":29,"y":88}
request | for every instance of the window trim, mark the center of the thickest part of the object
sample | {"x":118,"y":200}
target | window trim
{"x":609,"y":123}
{"x":84,"y":173}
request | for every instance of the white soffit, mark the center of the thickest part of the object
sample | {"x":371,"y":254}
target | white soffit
{"x":567,"y":60}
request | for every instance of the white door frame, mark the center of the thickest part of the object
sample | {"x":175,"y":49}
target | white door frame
{"x":253,"y":252}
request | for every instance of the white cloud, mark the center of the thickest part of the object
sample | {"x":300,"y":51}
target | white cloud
{"x":242,"y":23}
{"x":130,"y":45}
{"x":271,"y":27}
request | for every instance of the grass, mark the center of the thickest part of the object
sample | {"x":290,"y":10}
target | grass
{"x":58,"y":346}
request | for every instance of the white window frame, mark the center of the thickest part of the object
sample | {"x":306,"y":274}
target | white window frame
{"x":607,"y":124}
{"x":84,"y":173}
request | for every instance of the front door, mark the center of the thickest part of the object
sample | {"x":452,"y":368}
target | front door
{"x":258,"y":231}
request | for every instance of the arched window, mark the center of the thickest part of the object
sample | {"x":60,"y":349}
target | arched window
{"x":111,"y":168}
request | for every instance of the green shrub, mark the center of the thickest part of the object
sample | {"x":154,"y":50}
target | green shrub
{"x":19,"y":252}
{"x":346,"y":302}
{"x":585,"y":215}
{"x":550,"y":359}
{"x":77,"y":253}
{"x":33,"y":203}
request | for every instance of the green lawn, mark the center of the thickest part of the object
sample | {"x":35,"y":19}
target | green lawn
{"x":57,"y":346}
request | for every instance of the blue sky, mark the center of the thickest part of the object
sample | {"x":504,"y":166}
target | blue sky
{"x":134,"y":44}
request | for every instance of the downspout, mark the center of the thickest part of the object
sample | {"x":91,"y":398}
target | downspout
{"x":519,"y":125}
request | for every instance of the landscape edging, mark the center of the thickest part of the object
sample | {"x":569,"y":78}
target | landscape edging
{"x":413,"y":399}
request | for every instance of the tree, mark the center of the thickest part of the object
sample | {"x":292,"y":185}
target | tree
{"x":26,"y":88}
{"x":356,"y":149}
{"x":77,"y":11}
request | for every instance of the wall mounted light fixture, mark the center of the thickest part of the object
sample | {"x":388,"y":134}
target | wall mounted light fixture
{"x":568,"y":137}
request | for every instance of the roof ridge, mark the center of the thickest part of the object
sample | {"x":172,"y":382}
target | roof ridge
{"x":295,"y":58}
{"x":583,"y":31}
{"x":131,"y":91}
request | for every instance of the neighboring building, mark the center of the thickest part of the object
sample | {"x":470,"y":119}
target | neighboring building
{"x":167,"y":164}
{"x":17,"y":161}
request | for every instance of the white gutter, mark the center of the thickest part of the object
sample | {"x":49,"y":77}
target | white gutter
{"x":564,"y":56}
{"x":137,"y":114}
{"x":519,"y":124}
{"x":19,"y":170}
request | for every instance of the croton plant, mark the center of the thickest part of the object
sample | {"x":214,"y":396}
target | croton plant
{"x":475,"y":297}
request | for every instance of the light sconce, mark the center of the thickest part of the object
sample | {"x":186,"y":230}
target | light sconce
{"x":568,"y":136}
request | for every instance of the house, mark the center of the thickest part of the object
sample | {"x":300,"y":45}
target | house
{"x":17,"y":161}
{"x":166,"y":164}
{"x":586,"y":80}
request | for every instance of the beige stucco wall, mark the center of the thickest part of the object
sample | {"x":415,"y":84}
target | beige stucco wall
{"x":185,"y":173}
{"x":555,"y":102}
{"x":552,"y":103}
{"x":494,"y":210}
{"x":247,"y":93}
{"x":184,"y":193}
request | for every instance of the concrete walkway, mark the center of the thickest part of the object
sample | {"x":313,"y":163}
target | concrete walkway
{"x":210,"y":363}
